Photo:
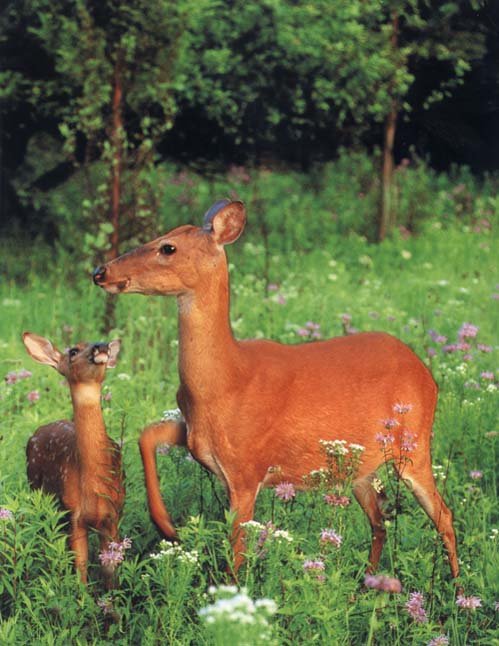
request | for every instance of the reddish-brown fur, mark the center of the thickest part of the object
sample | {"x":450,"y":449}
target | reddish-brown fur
{"x":77,"y":461}
{"x":255,"y":410}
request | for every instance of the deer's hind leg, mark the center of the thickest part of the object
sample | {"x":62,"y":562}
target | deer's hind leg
{"x":371,"y":502}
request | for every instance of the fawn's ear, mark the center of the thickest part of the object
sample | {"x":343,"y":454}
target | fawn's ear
{"x":114,"y":350}
{"x":41,"y":350}
{"x":226,"y":221}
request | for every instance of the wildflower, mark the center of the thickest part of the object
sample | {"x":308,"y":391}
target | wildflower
{"x":356,"y":448}
{"x":377,"y":485}
{"x":496,"y":605}
{"x":175,"y":550}
{"x":115,"y":553}
{"x":334,"y":447}
{"x":385,"y":439}
{"x":389,"y":423}
{"x":6,"y":514}
{"x":414,"y":607}
{"x":468,"y":331}
{"x":439,"y":640}
{"x":402,"y":409}
{"x":106,"y":603}
{"x":272,"y":287}
{"x":470,"y":603}
{"x":107,"y":397}
{"x":483,"y":348}
{"x":163,"y":449}
{"x":383,"y":583}
{"x":476,"y":475}
{"x":336,"y":501}
{"x":487,"y":375}
{"x":281,"y":300}
{"x":24,"y":374}
{"x":314,"y":566}
{"x":173,"y":414}
{"x":237,"y":608}
{"x":438,"y":338}
{"x":408,"y":443}
{"x":330,"y":536}
{"x":302,"y":332}
{"x":285,"y":491}
{"x":11,"y":378}
{"x":494,"y":534}
{"x":33,"y":396}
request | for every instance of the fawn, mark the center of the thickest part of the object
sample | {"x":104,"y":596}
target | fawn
{"x":255,"y":410}
{"x":76,"y":460}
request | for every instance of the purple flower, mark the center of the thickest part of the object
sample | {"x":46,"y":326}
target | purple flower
{"x":487,"y":375}
{"x":438,"y":338}
{"x":11,"y":377}
{"x":402,"y":409}
{"x":272,"y":287}
{"x":33,"y":396}
{"x":281,"y":300}
{"x":483,"y":348}
{"x":383,"y":583}
{"x":285,"y":491}
{"x":408,"y":443}
{"x":389,"y":423}
{"x":312,"y":326}
{"x":107,"y":396}
{"x":414,"y":607}
{"x":6,"y":514}
{"x":336,"y":501}
{"x":385,"y":439}
{"x":439,"y":640}
{"x":314,"y":566}
{"x":24,"y":374}
{"x":476,"y":475}
{"x":115,"y":553}
{"x":470,"y":603}
{"x":468,"y":331}
{"x":302,"y":331}
{"x":330,"y":536}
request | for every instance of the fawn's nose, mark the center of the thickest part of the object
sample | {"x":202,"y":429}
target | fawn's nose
{"x":99,"y":275}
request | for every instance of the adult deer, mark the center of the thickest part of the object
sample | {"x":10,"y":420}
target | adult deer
{"x":256,"y":410}
{"x":77,"y":461}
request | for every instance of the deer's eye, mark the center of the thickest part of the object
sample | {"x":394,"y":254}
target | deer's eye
{"x":73,"y":352}
{"x":168,"y":249}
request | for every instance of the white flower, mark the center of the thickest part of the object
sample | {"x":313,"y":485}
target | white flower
{"x":173,"y":414}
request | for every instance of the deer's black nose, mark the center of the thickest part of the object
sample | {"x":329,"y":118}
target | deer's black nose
{"x":99,"y":275}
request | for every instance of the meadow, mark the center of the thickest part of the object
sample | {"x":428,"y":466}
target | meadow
{"x":304,"y":269}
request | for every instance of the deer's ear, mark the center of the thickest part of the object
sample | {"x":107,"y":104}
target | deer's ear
{"x":226,"y":221}
{"x":41,"y":350}
{"x":114,"y":350}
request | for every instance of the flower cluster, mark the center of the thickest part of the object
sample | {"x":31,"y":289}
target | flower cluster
{"x":311,"y":330}
{"x":439,"y":640}
{"x":414,"y":606}
{"x":6,"y":514}
{"x":13,"y":377}
{"x":383,"y":583}
{"x":387,"y":437}
{"x":330,"y":537}
{"x":469,"y":603}
{"x":336,"y":501}
{"x":177,"y":552}
{"x":115,"y":553}
{"x":233,"y":610}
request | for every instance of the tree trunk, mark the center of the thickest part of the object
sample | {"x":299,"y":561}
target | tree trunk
{"x":116,"y":168}
{"x":386,"y":210}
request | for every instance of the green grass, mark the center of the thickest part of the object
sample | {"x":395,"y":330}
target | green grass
{"x":442,"y":277}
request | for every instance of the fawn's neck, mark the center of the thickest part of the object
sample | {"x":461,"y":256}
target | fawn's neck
{"x":93,"y":443}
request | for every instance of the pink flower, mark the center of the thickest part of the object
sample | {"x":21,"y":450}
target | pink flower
{"x":24,"y":374}
{"x":11,"y":377}
{"x":415,"y":608}
{"x":483,"y":348}
{"x":470,"y":603}
{"x":302,"y":331}
{"x":6,"y":514}
{"x":408,"y":443}
{"x":107,"y":397}
{"x":281,"y":300}
{"x":389,"y":423}
{"x":330,"y":536}
{"x":115,"y":553}
{"x":272,"y":287}
{"x":285,"y":491}
{"x":476,"y":475}
{"x":468,"y":331}
{"x":487,"y":375}
{"x":439,"y":640}
{"x":383,"y":583}
{"x":336,"y":501}
{"x":314,"y":566}
{"x":385,"y":439}
{"x":402,"y":409}
{"x":33,"y":396}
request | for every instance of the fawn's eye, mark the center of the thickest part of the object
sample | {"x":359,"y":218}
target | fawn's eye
{"x":168,"y":249}
{"x":73,"y":352}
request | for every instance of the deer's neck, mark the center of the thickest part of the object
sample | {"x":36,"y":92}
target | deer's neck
{"x":207,"y":348}
{"x":93,"y":444}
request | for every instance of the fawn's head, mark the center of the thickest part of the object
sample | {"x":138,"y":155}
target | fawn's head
{"x":82,"y":363}
{"x":175,"y":262}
